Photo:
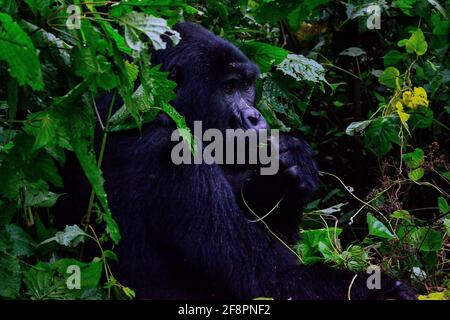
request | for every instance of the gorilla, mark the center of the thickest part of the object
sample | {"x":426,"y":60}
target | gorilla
{"x":186,"y":233}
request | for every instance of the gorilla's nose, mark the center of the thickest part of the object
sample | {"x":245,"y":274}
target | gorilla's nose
{"x":252,"y":119}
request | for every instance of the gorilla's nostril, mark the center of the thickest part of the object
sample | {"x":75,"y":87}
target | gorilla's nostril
{"x":253,"y":120}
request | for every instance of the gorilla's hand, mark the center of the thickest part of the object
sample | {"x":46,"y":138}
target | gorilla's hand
{"x":297,"y":168}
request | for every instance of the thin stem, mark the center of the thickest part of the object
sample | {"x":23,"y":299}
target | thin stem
{"x":351,"y":193}
{"x":268,"y":228}
{"x":340,"y":69}
{"x":100,"y":159}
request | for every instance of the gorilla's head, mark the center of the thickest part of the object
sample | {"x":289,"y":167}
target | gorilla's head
{"x":216,"y":81}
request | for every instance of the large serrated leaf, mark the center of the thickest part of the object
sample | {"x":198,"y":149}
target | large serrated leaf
{"x":17,"y":49}
{"x":22,"y":243}
{"x":9,"y":276}
{"x":138,"y":23}
{"x":302,"y":68}
{"x":263,"y":54}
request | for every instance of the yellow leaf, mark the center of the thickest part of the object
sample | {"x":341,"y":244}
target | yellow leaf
{"x":415,"y":98}
{"x":420,"y":96}
{"x":433,"y":296}
{"x":406,"y":98}
{"x":402,"y":114}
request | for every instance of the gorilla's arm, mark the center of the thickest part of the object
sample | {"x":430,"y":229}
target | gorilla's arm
{"x":199,"y":219}
{"x":280,"y":197}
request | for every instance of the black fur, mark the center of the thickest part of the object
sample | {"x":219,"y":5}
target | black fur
{"x":185,"y":231}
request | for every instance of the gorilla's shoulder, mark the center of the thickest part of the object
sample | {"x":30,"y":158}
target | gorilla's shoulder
{"x":152,"y":138}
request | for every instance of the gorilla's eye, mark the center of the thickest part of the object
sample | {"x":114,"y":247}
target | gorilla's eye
{"x":246,"y":85}
{"x":228,"y":87}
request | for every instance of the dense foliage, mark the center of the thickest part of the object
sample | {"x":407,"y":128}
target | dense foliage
{"x":374,"y":103}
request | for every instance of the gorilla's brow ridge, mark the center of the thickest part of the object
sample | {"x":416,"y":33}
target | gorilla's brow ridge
{"x":247,"y":69}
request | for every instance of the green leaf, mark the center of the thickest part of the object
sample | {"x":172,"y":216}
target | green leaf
{"x":426,"y":239}
{"x":43,"y":6}
{"x":17,"y":49}
{"x":70,"y":237}
{"x":355,"y":258}
{"x":443,"y":205}
{"x":44,"y":127}
{"x":133,"y":71}
{"x":118,"y":39}
{"x":353,"y":52}
{"x":416,"y":43}
{"x":10,"y":276}
{"x":22,"y":243}
{"x":154,"y":91}
{"x":88,"y":162}
{"x":111,"y":227}
{"x":314,"y":245}
{"x":390,"y":78}
{"x":44,"y":283}
{"x":78,"y":123}
{"x":49,"y":281}
{"x":274,"y":11}
{"x":92,"y":66}
{"x":184,"y":130}
{"x":129,"y":293}
{"x":416,"y":174}
{"x":440,"y":27}
{"x":40,"y":198}
{"x":137,"y":23}
{"x":421,"y":117}
{"x":414,"y":159}
{"x":44,"y":167}
{"x":377,"y":228}
{"x":447,"y":225}
{"x":380,"y":135}
{"x":446,"y":175}
{"x":401,"y":214}
{"x":328,"y":253}
{"x":405,"y":6}
{"x":108,"y":254}
{"x":263,"y":54}
{"x":302,"y":68}
{"x":39,"y":282}
{"x":357,"y":128}
{"x":304,"y":11}
{"x":90,"y":272}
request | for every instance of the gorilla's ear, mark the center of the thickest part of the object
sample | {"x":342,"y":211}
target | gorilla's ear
{"x":176,"y":74}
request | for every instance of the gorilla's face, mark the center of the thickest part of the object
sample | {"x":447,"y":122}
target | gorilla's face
{"x":233,"y":99}
{"x":215,"y":80}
